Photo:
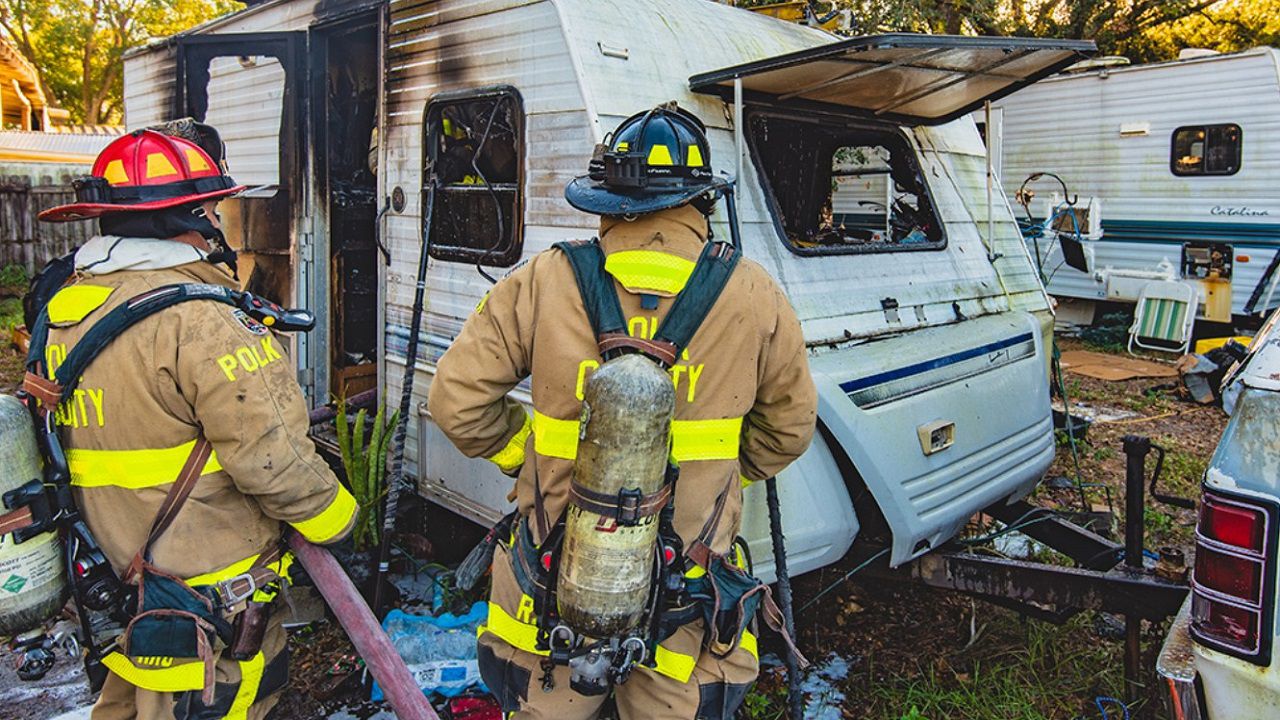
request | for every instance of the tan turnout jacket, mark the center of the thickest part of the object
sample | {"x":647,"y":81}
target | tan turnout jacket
{"x":199,"y":367}
{"x":745,"y":402}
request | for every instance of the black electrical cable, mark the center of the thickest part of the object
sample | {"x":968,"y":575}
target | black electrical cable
{"x":497,"y":202}
{"x":846,"y":576}
{"x":396,"y":474}
{"x":795,"y":698}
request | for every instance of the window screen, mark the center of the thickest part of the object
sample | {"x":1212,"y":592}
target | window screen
{"x":1206,"y":150}
{"x":836,"y":187}
{"x":474,"y":142}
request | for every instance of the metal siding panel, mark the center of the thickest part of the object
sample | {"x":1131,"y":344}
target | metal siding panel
{"x":471,"y":44}
{"x":149,"y":79}
{"x":521,"y":47}
{"x":1131,"y":174}
{"x":246,"y":104}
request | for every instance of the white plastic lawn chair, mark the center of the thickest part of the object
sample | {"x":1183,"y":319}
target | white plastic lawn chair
{"x":1163,"y":317}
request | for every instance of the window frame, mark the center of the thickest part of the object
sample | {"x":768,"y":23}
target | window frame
{"x":851,"y":123}
{"x":452,"y":253}
{"x":1173,"y":149}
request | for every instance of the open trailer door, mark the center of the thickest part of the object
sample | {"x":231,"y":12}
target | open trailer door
{"x":252,"y":87}
{"x":902,"y":78}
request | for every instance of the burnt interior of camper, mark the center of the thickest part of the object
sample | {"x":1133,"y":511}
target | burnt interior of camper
{"x":345,"y":77}
{"x":472,"y":145}
{"x":840,"y":187}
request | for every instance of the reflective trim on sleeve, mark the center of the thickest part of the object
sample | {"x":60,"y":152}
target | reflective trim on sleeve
{"x":555,"y":438}
{"x":677,"y":666}
{"x":521,"y":636}
{"x":132,"y":469}
{"x":649,"y":270}
{"x":511,"y":456}
{"x":705,"y":439}
{"x":173,"y":678}
{"x":72,"y":303}
{"x":250,"y":679}
{"x":331,"y":521}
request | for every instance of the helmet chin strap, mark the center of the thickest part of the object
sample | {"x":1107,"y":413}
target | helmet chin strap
{"x":171,"y":223}
{"x":222,"y":250}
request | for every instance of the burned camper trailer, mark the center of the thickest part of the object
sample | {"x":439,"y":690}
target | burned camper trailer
{"x":927,"y":324}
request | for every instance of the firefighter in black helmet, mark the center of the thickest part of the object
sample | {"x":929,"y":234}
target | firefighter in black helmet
{"x":745,"y":407}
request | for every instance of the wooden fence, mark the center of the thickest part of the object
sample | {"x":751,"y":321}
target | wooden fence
{"x":26,"y":241}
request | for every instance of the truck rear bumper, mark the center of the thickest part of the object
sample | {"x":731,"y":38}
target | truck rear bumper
{"x":1177,"y":667}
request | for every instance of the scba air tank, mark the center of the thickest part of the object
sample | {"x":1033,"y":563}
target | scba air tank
{"x":32,"y":584}
{"x":606,"y":567}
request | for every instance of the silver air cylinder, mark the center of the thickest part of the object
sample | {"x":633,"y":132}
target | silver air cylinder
{"x":32,"y":583}
{"x":606,"y":567}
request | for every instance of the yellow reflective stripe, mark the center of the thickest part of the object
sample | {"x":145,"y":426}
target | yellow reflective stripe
{"x":511,"y":456}
{"x":659,"y":155}
{"x":331,"y":521}
{"x":521,"y":636}
{"x":674,"y":665}
{"x":132,"y":469}
{"x":281,"y":568}
{"x":250,"y":678}
{"x":749,"y":644}
{"x":694,"y":572}
{"x":746,"y":481}
{"x":690,"y":439}
{"x":555,"y":438}
{"x":705,"y":439}
{"x":649,"y":270}
{"x":71,"y":304}
{"x":175,"y":678}
{"x":695,"y":157}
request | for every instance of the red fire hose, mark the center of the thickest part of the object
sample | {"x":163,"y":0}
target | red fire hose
{"x":380,"y":656}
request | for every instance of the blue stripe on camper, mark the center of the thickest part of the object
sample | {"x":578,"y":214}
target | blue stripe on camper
{"x":850,"y":386}
{"x":1243,"y":235}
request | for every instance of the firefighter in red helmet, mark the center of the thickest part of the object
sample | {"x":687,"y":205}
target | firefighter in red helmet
{"x":186,"y":439}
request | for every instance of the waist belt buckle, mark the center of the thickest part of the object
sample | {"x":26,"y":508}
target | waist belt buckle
{"x":629,"y":502}
{"x":227,"y":594}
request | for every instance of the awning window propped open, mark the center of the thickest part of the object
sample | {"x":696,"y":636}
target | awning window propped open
{"x":901,"y":77}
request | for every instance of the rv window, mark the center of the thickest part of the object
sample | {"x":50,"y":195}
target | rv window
{"x":1206,"y":150}
{"x":837,"y":187}
{"x":475,"y":144}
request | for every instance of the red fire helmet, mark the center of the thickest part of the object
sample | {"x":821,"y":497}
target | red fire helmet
{"x":143,"y":171}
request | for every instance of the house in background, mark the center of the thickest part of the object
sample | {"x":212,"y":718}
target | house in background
{"x":40,"y":152}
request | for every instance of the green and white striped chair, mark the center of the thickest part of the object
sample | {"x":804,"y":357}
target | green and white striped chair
{"x":1164,"y":316}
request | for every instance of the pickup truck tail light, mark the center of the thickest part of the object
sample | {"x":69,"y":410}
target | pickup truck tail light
{"x":1233,"y":586}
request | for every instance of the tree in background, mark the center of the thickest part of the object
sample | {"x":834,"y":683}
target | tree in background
{"x":1144,"y":30}
{"x":78,"y":46}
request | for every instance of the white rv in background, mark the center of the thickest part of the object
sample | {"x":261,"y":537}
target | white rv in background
{"x":1181,"y":158}
{"x":927,"y":324}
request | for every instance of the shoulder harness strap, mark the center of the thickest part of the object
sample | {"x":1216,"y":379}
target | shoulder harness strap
{"x":53,"y":390}
{"x":710,"y":275}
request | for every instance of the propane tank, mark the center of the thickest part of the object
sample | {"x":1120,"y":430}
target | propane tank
{"x":32,"y":584}
{"x":606,"y":568}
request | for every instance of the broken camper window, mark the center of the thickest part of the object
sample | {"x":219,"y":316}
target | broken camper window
{"x":1206,"y":150}
{"x":837,"y":187}
{"x":474,"y":141}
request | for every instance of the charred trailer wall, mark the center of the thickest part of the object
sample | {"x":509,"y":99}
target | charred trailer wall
{"x":439,"y":47}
